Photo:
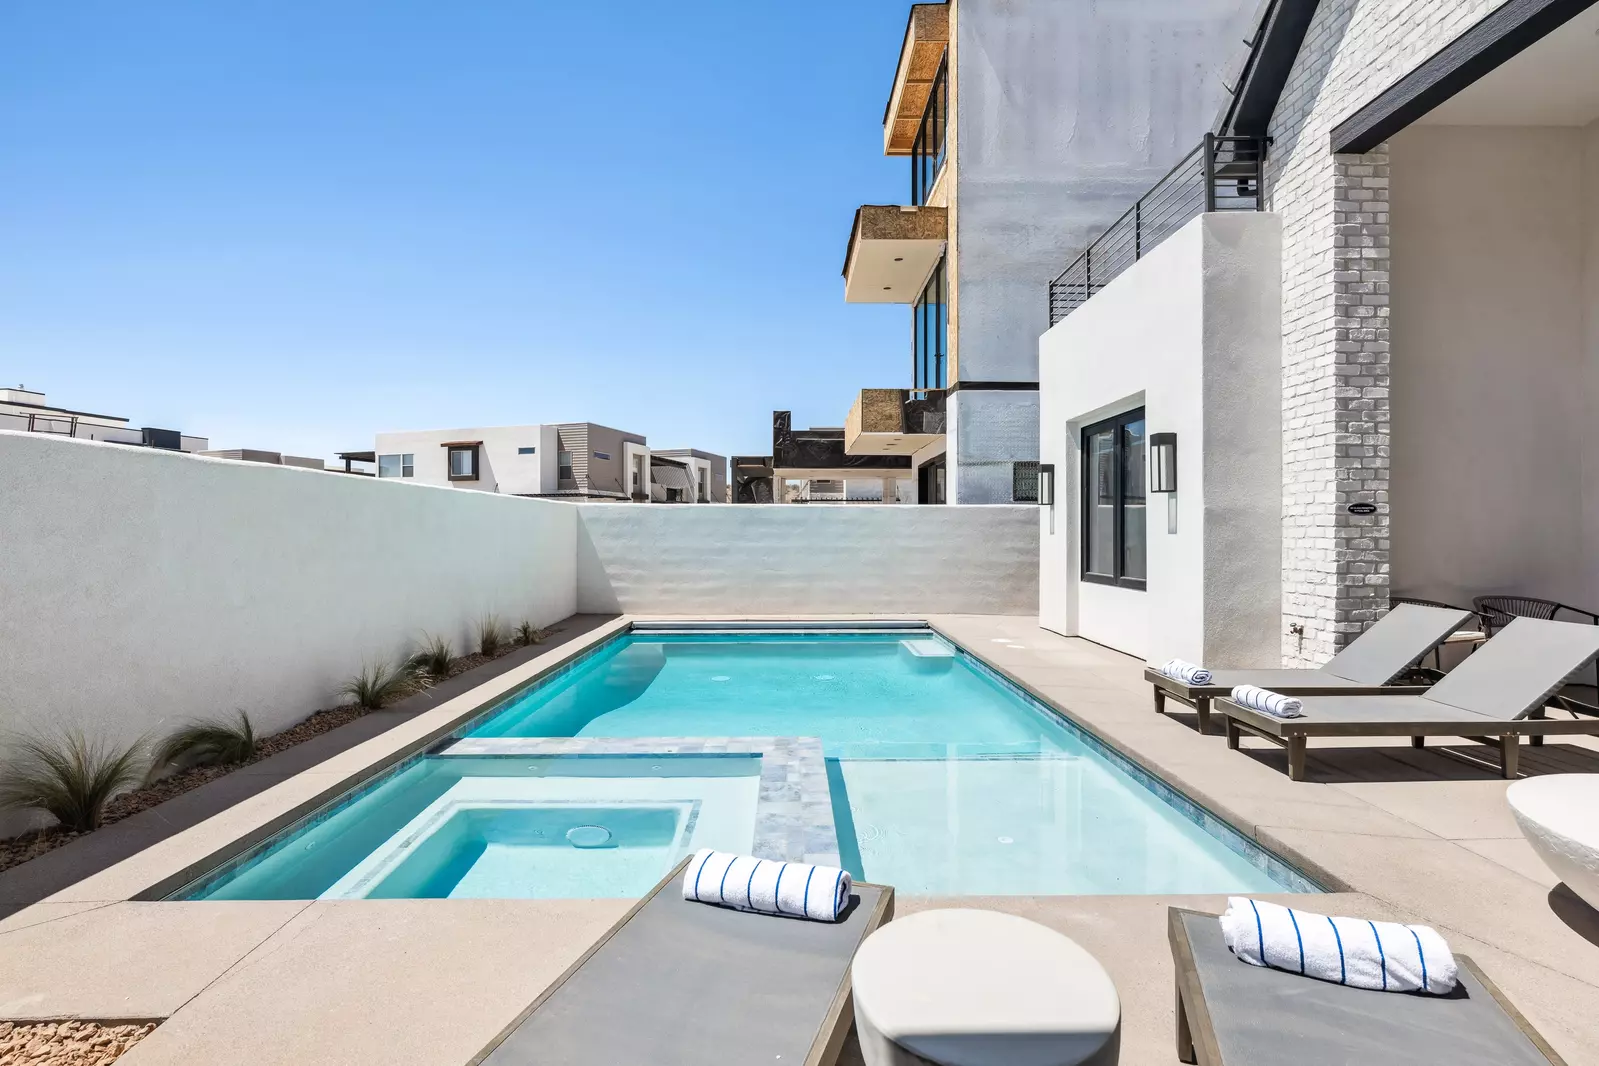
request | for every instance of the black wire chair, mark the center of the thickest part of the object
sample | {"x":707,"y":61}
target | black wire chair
{"x":1434,"y":672}
{"x":1498,"y":611}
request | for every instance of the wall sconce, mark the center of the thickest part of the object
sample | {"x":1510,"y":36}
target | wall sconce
{"x":1046,"y":484}
{"x":1163,"y":462}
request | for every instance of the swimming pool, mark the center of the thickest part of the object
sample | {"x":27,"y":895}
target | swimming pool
{"x":932,"y":774}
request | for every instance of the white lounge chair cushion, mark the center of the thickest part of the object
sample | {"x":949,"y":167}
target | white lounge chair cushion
{"x":962,"y":987}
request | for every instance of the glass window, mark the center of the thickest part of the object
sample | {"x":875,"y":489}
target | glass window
{"x":526,"y":451}
{"x":563,"y":460}
{"x":389,"y":466}
{"x":927,"y":152}
{"x":602,"y":455}
{"x":408,"y":465}
{"x":1113,"y":501}
{"x":463,"y":463}
{"x":929,"y":326}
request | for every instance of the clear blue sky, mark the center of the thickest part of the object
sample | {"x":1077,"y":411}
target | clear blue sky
{"x":289,"y":225}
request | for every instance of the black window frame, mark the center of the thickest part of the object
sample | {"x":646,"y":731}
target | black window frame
{"x":932,"y":137}
{"x":1116,"y":424}
{"x":930,"y":333}
{"x":449,"y":462}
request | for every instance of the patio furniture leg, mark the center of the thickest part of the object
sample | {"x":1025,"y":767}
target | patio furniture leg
{"x":1185,"y":1038}
{"x":1234,"y":734}
{"x":1296,"y":758}
{"x":1509,"y":749}
{"x":1536,"y":740}
{"x":1160,"y":699}
{"x":1418,"y":742}
{"x":1202,"y":705}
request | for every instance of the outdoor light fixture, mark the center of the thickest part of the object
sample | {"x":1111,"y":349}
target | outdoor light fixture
{"x":1163,"y":462}
{"x":1046,"y":484}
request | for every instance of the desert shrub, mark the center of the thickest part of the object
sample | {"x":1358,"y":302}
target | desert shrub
{"x":68,"y":777}
{"x":377,"y":684}
{"x":491,"y":635}
{"x":431,"y":660}
{"x":207,"y":743}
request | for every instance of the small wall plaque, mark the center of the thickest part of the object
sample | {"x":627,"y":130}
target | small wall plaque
{"x":1362,"y":508}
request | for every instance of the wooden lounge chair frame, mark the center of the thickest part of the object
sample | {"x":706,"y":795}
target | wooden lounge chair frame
{"x":1197,"y":1040}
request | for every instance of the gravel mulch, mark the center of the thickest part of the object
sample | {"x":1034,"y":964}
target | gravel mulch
{"x":18,"y":850}
{"x":67,"y":1043}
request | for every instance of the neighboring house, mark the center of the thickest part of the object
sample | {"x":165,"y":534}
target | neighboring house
{"x":580,"y":460}
{"x":1382,"y":381}
{"x":1028,"y":125}
{"x":252,"y":455}
{"x":707,"y":473}
{"x":24,"y":410}
{"x":812,"y":465}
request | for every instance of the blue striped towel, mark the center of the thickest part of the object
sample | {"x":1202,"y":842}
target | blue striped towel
{"x":1265,"y":700}
{"x":792,"y":889}
{"x":1383,"y":956}
{"x":1186,"y":672}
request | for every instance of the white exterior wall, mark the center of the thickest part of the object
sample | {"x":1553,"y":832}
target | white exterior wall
{"x":1335,"y":311}
{"x":631,"y":453}
{"x":1191,"y":333}
{"x":143,"y":588}
{"x":1590,"y":510}
{"x":500,"y":467}
{"x":807,"y":559}
{"x":1065,"y":113}
{"x":1491,"y":440}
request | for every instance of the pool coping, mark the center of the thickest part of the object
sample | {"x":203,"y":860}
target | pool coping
{"x":200,"y":852}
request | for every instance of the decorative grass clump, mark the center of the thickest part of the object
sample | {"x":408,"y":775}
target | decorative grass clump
{"x":378,"y":684}
{"x":527,"y":633}
{"x":218,"y":742}
{"x":431,"y":660}
{"x":68,"y":777}
{"x":491,"y":635}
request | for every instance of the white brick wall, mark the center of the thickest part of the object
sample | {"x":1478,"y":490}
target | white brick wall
{"x":1335,"y":311}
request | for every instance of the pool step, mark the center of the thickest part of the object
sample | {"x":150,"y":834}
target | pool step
{"x":926,"y":648}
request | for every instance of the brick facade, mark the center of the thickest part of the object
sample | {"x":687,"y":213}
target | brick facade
{"x":1336,"y":345}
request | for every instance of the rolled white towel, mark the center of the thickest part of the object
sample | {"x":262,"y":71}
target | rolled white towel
{"x":1383,"y":956}
{"x":1273,"y":703}
{"x":792,"y":889}
{"x":1186,"y":672}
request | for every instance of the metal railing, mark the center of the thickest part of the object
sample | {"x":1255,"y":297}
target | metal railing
{"x":1222,"y":174}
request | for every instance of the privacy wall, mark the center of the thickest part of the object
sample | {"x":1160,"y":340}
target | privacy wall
{"x":810,"y":559}
{"x":141,"y":588}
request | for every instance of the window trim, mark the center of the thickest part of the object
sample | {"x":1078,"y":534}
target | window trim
{"x":1116,"y":423}
{"x":449,"y":461}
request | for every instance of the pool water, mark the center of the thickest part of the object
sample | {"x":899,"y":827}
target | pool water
{"x":942,"y":779}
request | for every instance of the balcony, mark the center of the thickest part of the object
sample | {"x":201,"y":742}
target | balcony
{"x":892,"y":250}
{"x":1222,"y":174}
{"x":894,"y":422}
{"x":926,"y":38}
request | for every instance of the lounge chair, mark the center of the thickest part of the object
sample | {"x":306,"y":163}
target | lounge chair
{"x":677,"y":983}
{"x":1498,"y":694}
{"x":1402,"y":638}
{"x":1230,"y":1013}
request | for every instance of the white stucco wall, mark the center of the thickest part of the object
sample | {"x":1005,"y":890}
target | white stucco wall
{"x":1494,"y":287}
{"x":142,"y":588}
{"x":501,"y":467}
{"x":807,"y":559}
{"x":1192,"y":333}
{"x":1590,"y":197}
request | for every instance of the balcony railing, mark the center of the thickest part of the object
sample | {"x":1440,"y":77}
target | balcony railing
{"x":1222,"y":174}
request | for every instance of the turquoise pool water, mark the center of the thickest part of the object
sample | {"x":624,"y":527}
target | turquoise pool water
{"x":943,"y":779}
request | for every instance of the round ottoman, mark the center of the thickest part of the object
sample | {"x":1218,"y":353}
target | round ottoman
{"x":980,"y":988}
{"x":1556,"y":815}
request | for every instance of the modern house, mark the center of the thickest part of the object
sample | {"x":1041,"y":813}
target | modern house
{"x":814,"y":466}
{"x":1028,"y":125}
{"x":25,"y":410}
{"x":580,"y":460}
{"x":1358,"y":356}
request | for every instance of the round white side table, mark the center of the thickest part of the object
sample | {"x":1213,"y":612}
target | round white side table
{"x":979,"y":988}
{"x":1559,"y":816}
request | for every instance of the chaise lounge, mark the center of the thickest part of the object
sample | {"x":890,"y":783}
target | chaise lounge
{"x":1400,"y":640}
{"x":1232,"y":1014}
{"x":1498,"y":695}
{"x":673,"y":983}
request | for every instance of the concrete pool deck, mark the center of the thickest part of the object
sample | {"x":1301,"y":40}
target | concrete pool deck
{"x":1412,"y":835}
